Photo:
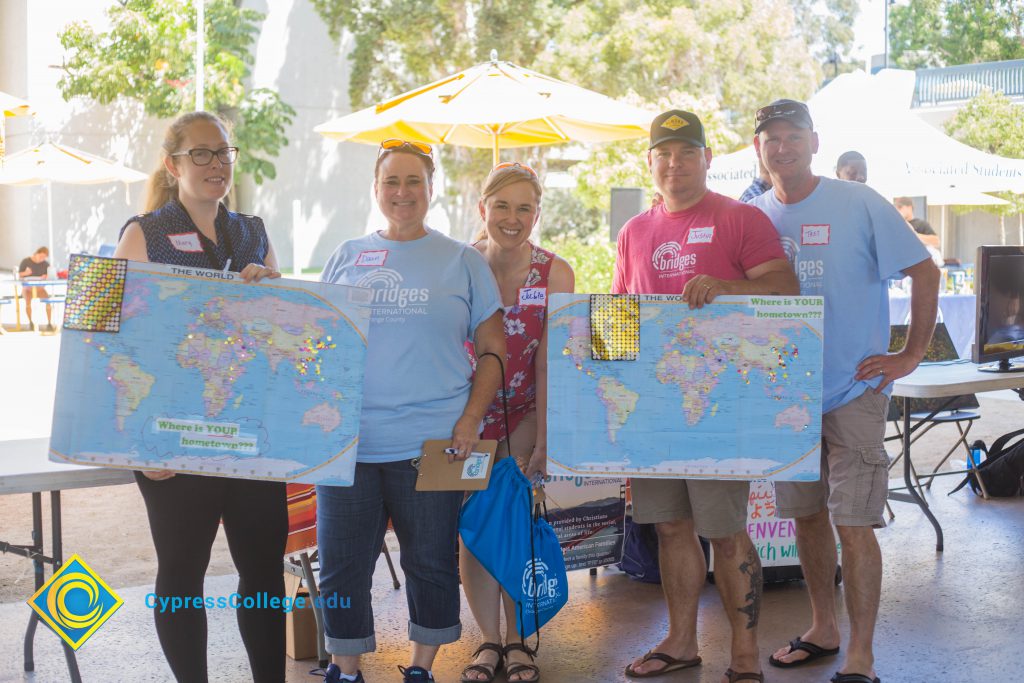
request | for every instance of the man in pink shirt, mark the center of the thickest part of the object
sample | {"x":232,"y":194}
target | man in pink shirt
{"x":700,"y":244}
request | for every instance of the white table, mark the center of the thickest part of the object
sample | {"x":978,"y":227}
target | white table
{"x":940,"y":380}
{"x":956,"y":310}
{"x":24,"y":468}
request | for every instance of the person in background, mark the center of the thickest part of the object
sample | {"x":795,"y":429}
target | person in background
{"x":719,"y":246}
{"x":35,"y":267}
{"x":852,"y":166}
{"x":847,"y":243}
{"x":527,"y":275}
{"x":186,"y":223}
{"x":430,"y":294}
{"x":761,"y":184}
{"x":924,"y":230}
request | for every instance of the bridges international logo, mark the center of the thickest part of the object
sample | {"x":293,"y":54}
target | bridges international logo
{"x":75,"y":602}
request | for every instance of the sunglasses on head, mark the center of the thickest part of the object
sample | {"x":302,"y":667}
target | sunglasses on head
{"x":392,"y":144}
{"x":514,"y":164}
{"x":774,"y":111}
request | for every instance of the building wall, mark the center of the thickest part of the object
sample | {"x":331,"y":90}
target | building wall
{"x":294,"y":54}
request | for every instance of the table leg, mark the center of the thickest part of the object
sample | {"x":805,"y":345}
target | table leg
{"x":911,"y":488}
{"x":58,"y":561}
{"x":37,"y":566}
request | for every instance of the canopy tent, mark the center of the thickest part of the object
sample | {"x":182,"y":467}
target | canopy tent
{"x":50,"y":163}
{"x":494,"y":105}
{"x":905,"y":155}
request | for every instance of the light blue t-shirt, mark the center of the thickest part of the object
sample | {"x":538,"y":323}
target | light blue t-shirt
{"x":845,"y":242}
{"x":430,"y":294}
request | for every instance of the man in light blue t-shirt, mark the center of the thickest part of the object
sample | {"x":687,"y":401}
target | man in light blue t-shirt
{"x":845,"y":242}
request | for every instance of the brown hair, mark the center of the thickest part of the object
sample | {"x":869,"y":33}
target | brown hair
{"x":500,"y":178}
{"x":162,"y":186}
{"x":42,"y":250}
{"x":427,"y":160}
{"x":903,"y":201}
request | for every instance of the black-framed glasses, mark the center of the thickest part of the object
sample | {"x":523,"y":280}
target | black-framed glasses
{"x":776,"y":111}
{"x":412,"y":145}
{"x":204,"y":157}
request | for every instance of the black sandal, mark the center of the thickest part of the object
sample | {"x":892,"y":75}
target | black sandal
{"x":813,"y":652}
{"x":736,"y":676}
{"x":853,"y":678}
{"x":487,"y":670}
{"x":513,"y":669}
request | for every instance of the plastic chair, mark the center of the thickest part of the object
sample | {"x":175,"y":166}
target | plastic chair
{"x":960,"y":411}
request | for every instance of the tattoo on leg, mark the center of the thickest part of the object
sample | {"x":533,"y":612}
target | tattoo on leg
{"x":752,"y":567}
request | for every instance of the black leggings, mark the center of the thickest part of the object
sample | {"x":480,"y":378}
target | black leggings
{"x":184,"y":512}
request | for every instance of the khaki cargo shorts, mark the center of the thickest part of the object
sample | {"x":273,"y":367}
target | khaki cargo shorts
{"x":718,"y":508}
{"x":854,"y":467}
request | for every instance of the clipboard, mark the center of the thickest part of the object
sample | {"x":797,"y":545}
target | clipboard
{"x":472,"y":474}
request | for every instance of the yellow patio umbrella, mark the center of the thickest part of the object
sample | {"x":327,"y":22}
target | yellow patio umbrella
{"x":10,"y":106}
{"x":494,"y":105}
{"x":50,"y":163}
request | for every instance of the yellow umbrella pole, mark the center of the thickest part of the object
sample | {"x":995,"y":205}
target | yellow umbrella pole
{"x":496,"y":155}
{"x":3,"y":139}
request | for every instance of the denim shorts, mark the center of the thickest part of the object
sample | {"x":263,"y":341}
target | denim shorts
{"x":351,"y":521}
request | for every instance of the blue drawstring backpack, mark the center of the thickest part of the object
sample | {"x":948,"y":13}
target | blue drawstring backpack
{"x":516,"y":546}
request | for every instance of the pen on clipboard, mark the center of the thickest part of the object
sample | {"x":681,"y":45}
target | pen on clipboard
{"x":227,"y":264}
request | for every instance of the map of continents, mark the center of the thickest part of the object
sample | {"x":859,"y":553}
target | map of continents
{"x":730,"y":390}
{"x":217,"y":377}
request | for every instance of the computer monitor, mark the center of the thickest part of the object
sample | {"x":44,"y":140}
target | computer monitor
{"x":999,"y":328}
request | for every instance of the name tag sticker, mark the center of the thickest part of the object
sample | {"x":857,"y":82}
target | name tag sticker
{"x":185,"y":241}
{"x":533,"y":296}
{"x":372,"y":258}
{"x":813,"y":235}
{"x":701,"y":235}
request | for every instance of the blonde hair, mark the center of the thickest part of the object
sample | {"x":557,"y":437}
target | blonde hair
{"x":162,"y":187}
{"x":500,"y":178}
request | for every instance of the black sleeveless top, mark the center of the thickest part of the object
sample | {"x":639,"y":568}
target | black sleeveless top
{"x":172,"y":237}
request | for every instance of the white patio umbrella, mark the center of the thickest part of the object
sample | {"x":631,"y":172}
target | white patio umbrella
{"x":50,"y":163}
{"x":494,"y":105}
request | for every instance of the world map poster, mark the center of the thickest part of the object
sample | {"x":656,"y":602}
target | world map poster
{"x":728,"y":391}
{"x":192,"y":370}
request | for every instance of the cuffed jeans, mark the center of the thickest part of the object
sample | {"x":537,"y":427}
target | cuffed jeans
{"x":351,"y":522}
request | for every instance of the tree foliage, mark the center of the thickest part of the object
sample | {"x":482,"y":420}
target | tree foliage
{"x":928,"y":33}
{"x":147,"y":56}
{"x":723,"y":58}
{"x":992,"y":123}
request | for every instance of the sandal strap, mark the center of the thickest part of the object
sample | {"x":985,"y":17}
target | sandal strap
{"x":851,"y":678}
{"x":514,"y":669}
{"x":519,"y":647}
{"x":735,"y":676}
{"x":485,"y":669}
{"x":493,"y":647}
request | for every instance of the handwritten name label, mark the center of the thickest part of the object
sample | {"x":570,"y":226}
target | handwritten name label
{"x":372,"y":258}
{"x":814,"y":235}
{"x":533,"y":296}
{"x":185,"y":241}
{"x":701,"y":235}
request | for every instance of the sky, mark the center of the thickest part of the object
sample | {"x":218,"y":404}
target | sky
{"x":869,"y":29}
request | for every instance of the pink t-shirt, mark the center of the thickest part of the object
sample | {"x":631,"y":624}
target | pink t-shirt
{"x":660,"y":251}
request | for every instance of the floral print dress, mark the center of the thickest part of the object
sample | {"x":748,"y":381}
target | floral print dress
{"x":524,"y":326}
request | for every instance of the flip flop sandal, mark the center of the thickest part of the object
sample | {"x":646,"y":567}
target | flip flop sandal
{"x":736,"y":676}
{"x":813,"y":652}
{"x":513,"y":669}
{"x":854,"y":678}
{"x":487,"y":670}
{"x":671,"y":664}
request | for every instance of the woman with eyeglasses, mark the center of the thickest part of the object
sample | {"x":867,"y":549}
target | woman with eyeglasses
{"x":430,"y":294}
{"x":185,"y":223}
{"x":527,"y":275}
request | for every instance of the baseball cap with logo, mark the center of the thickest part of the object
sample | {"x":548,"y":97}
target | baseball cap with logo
{"x":783,"y":110}
{"x":677,"y":124}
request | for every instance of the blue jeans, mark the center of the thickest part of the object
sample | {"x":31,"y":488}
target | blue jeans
{"x":351,"y":522}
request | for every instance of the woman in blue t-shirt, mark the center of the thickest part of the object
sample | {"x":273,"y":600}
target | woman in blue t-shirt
{"x":430,"y":294}
{"x":186,"y":223}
